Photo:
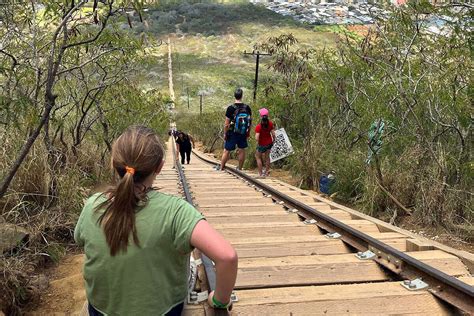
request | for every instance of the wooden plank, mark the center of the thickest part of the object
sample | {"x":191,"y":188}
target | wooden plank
{"x":279,"y":249}
{"x":210,"y":194}
{"x":442,"y":261}
{"x":362,"y":225}
{"x":254,"y":212}
{"x":355,"y":299}
{"x":202,"y":177}
{"x":232,"y":233}
{"x":222,"y":186}
{"x":342,"y":216}
{"x":233,"y":199}
{"x":239,"y":209}
{"x":398,"y":243}
{"x":217,"y":183}
{"x":305,"y":270}
{"x":223,"y":191}
{"x":319,"y":207}
{"x":466,"y":257}
{"x":323,"y":247}
{"x":467,"y":279}
{"x":196,"y":176}
{"x":235,"y":204}
{"x":418,"y":245}
{"x":281,"y":217}
{"x":259,"y":225}
{"x":313,"y":237}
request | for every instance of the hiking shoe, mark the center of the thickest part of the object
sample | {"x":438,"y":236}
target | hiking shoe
{"x":217,"y":167}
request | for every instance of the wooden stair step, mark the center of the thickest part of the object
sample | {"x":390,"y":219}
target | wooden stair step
{"x":278,"y":249}
{"x":281,"y":217}
{"x":238,"y":209}
{"x":314,"y":236}
{"x":354,"y":299}
{"x":249,"y":213}
{"x":263,"y":225}
{"x":232,"y":233}
{"x":306,"y":270}
{"x":231,"y":200}
{"x":442,"y":261}
{"x":239,"y":204}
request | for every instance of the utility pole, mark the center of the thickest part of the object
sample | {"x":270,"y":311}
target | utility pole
{"x":258,"y":54}
{"x":187,"y":93}
{"x":200,"y":103}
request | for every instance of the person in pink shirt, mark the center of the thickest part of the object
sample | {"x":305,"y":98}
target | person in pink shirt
{"x":264,"y":135}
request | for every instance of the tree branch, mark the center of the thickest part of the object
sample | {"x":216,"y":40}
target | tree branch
{"x":87,"y":61}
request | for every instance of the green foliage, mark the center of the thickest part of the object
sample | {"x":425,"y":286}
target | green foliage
{"x":207,"y":127}
{"x":70,"y":84}
{"x":338,"y":29}
{"x":401,"y":73}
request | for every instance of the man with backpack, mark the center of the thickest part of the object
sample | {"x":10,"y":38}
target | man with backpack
{"x":238,"y":121}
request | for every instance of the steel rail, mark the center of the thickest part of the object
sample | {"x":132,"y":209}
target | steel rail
{"x":442,"y":285}
{"x":206,"y":261}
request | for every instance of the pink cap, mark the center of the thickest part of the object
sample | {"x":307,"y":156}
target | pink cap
{"x":263,"y":112}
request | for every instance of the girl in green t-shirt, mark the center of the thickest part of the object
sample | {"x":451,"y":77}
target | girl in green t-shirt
{"x":137,"y":241}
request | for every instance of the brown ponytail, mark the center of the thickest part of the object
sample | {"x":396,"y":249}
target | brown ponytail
{"x":264,"y":121}
{"x":136,"y":154}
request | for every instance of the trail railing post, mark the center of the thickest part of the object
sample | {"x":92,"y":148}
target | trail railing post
{"x":257,"y":63}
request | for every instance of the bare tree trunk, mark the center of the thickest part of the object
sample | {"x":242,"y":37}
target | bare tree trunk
{"x":54,"y":156}
{"x":7,"y":179}
{"x":54,"y":62}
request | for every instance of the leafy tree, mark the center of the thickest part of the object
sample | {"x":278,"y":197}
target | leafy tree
{"x":44,"y":45}
{"x":414,"y":79}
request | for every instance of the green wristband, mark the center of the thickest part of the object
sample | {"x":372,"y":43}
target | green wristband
{"x":218,"y":304}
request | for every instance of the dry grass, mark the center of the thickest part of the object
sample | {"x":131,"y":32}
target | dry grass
{"x":49,"y":220}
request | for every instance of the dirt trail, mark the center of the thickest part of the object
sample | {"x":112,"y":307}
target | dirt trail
{"x":66,"y":294}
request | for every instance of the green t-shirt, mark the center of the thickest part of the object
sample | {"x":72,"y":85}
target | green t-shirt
{"x":146,"y":280}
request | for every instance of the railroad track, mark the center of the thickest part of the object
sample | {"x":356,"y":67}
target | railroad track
{"x":300,"y":254}
{"x":287,"y":267}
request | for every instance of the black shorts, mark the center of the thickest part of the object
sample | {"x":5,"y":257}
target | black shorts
{"x":235,"y":139}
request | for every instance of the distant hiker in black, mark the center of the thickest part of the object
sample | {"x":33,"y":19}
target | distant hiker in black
{"x":184,"y":147}
{"x":238,"y":121}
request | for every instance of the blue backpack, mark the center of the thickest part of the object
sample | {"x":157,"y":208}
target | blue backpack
{"x":241,"y":119}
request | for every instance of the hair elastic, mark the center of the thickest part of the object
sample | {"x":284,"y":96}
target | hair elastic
{"x":130,"y":170}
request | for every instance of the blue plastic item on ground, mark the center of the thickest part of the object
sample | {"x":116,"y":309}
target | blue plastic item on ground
{"x":325,"y":183}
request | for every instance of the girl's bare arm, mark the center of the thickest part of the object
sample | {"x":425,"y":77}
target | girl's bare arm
{"x":219,"y":250}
